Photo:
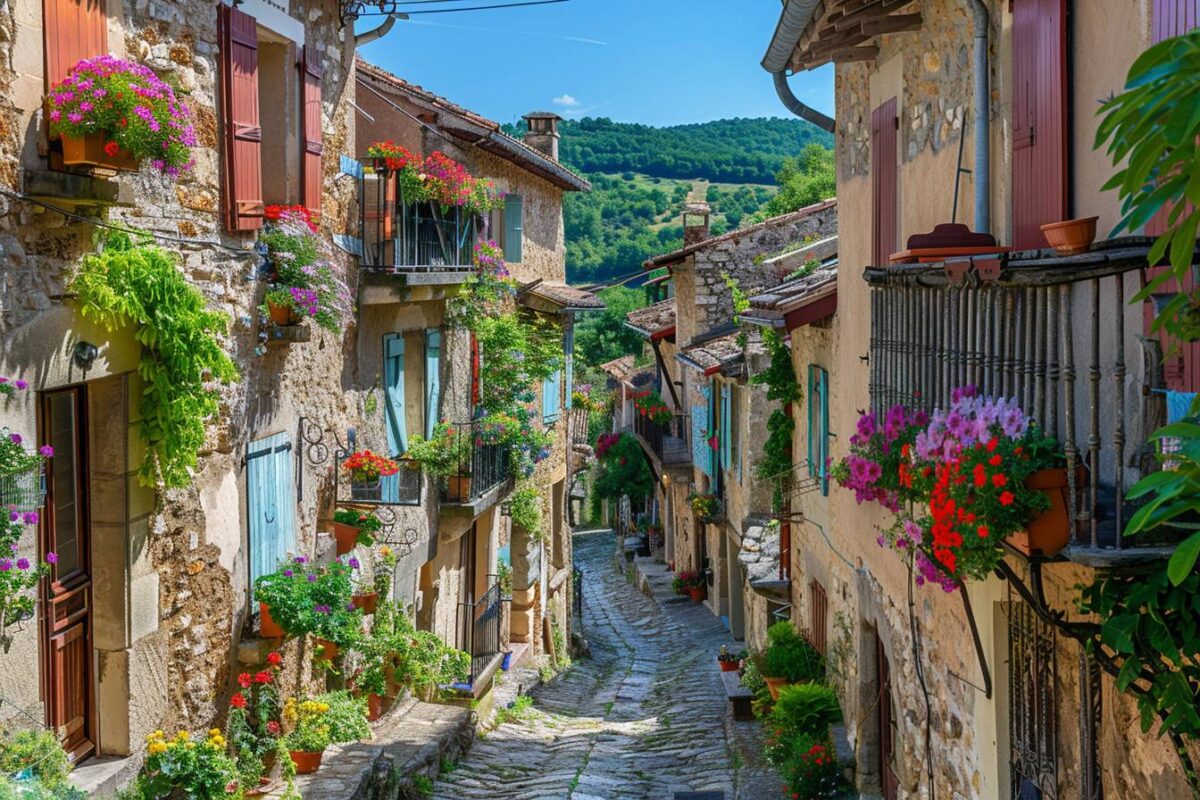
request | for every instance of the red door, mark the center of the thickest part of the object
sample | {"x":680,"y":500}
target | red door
{"x":1039,"y":119}
{"x":67,"y":600}
{"x":1181,"y":370}
{"x":884,"y":182}
{"x":887,"y":730}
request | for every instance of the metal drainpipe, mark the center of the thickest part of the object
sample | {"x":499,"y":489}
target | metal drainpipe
{"x":797,"y":107}
{"x":378,"y":33}
{"x":983,"y":103}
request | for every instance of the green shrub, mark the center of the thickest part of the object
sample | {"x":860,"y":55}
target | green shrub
{"x":38,"y":751}
{"x":346,"y":717}
{"x":37,"y":790}
{"x":811,"y":771}
{"x":805,"y":709}
{"x":789,"y":655}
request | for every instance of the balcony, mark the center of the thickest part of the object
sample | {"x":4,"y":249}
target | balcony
{"x":480,"y":475}
{"x":401,"y":489}
{"x":479,"y":633}
{"x":421,"y":241}
{"x":1057,"y":334}
{"x":666,"y":442}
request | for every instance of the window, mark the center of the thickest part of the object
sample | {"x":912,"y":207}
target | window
{"x":818,"y":426}
{"x":433,"y":379}
{"x":279,"y":149}
{"x":271,"y":502}
{"x":407,"y":397}
{"x":512,"y":232}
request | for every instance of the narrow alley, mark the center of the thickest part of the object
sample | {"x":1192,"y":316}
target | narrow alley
{"x":643,"y":717}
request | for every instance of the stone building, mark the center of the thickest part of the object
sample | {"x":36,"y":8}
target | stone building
{"x":976,"y":693}
{"x":702,"y":363}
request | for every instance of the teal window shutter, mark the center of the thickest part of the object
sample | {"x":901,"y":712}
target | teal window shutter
{"x":513,"y":227}
{"x":433,"y":378}
{"x":735,"y":440}
{"x":393,"y":409}
{"x":726,"y":427}
{"x":569,"y":347}
{"x":714,"y":421}
{"x":818,"y":426}
{"x":551,"y":391}
{"x":271,"y":503}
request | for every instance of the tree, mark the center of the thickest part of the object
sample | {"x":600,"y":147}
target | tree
{"x":601,"y":337}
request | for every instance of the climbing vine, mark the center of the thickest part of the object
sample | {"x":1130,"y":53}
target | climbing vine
{"x":138,"y":284}
{"x":780,"y":379}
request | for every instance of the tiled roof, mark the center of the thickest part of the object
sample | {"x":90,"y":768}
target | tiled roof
{"x":713,"y":355}
{"x":790,"y":293}
{"x":568,"y":297}
{"x":678,"y":255}
{"x":477,"y":130}
{"x":618,"y":368}
{"x":651,"y":320}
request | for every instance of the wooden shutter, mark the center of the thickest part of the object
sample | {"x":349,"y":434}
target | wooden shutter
{"x":393,"y":377}
{"x":1039,"y":193}
{"x":73,"y":30}
{"x":551,"y":392}
{"x":271,"y":501}
{"x":237,"y":36}
{"x":433,"y":378}
{"x":818,"y":425}
{"x":513,"y":215}
{"x":312,"y":175}
{"x":818,"y":616}
{"x":884,"y":181}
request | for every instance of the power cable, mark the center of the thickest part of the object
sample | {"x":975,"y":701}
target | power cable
{"x":382,"y":13}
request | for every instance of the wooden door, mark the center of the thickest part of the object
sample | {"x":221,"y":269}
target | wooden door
{"x":1039,"y":158}
{"x":887,"y":731}
{"x":67,"y":671}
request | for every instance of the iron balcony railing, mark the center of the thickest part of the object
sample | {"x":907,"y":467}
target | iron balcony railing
{"x":401,"y":489}
{"x":479,"y":629}
{"x":412,"y":237}
{"x":479,"y":468}
{"x":1054,"y":332}
{"x":668,"y":441}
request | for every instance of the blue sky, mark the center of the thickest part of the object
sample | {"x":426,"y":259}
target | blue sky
{"x":659,"y":62}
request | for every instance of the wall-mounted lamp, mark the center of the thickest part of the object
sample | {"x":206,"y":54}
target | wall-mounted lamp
{"x":84,"y":355}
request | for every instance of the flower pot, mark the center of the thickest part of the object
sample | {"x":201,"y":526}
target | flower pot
{"x":346,"y":536}
{"x":696,"y":593}
{"x":88,"y":151}
{"x":281,"y":315}
{"x":1071,"y":235}
{"x":329,"y":650}
{"x":368,"y":602}
{"x":774,"y":685}
{"x":728,"y":666}
{"x":376,"y":705}
{"x":306,"y":763}
{"x":1048,"y":532}
{"x":268,"y":628}
{"x":458,"y":487}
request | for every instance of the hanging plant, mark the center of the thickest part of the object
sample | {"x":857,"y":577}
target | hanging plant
{"x":651,"y":405}
{"x":308,"y":279}
{"x":525,"y":507}
{"x":780,"y":379}
{"x":435,"y":179}
{"x":140,"y":285}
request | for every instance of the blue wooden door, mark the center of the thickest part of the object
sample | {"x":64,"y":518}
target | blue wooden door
{"x":271,"y":500}
{"x":393,"y":409}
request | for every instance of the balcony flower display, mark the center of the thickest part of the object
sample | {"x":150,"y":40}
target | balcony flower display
{"x":959,"y":482}
{"x":706,"y":507}
{"x":307,"y":279}
{"x":437,"y":178}
{"x":447,"y":452}
{"x":367,"y":467}
{"x":651,"y":406}
{"x":134,"y":112}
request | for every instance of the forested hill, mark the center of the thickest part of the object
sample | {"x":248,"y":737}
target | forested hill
{"x":725,"y":151}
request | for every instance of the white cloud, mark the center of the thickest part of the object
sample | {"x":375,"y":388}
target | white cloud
{"x":566,"y":101}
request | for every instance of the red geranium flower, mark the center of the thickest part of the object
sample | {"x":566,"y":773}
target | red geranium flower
{"x":111,"y":149}
{"x":244,"y":680}
{"x":274,"y":728}
{"x":237,"y":701}
{"x":1006,"y":498}
{"x":275,"y":660}
{"x":999,"y":480}
{"x":263,"y":677}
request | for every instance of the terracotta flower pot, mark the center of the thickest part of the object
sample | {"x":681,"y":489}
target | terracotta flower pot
{"x":268,"y":628}
{"x":1048,"y":532}
{"x":458,"y":487}
{"x":346,"y":537}
{"x":306,"y":763}
{"x":329,"y":650}
{"x":696,"y":593}
{"x":88,"y":151}
{"x":368,"y":602}
{"x":1071,"y":235}
{"x":774,"y":685}
{"x":280,"y":315}
{"x":376,"y":705}
{"x":728,"y":666}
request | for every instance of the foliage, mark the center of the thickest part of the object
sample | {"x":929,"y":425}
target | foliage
{"x":805,"y":709}
{"x":346,"y":717}
{"x":253,"y":724}
{"x":446,"y":452}
{"x":139,"y":285}
{"x":485,"y":292}
{"x":706,"y":507}
{"x":35,"y":789}
{"x":396,"y":651}
{"x":308,"y":725}
{"x":19,"y":576}
{"x":752,"y":679}
{"x":366,"y":466}
{"x":803,"y":181}
{"x":602,"y":336}
{"x":305,"y":598}
{"x":308,"y":278}
{"x":517,"y":351}
{"x":622,"y":471}
{"x":790,"y":656}
{"x":687,"y":580}
{"x":134,"y":110}
{"x":811,"y":772}
{"x":780,"y":379}
{"x":519,"y":710}
{"x":367,"y":522}
{"x":37,"y":751}
{"x":525,"y":508}
{"x":199,"y":769}
{"x":651,"y":405}
{"x":436,"y":178}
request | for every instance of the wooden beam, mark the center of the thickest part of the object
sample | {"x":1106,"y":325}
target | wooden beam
{"x":855,"y":54}
{"x":873,"y":11}
{"x":896,"y":23}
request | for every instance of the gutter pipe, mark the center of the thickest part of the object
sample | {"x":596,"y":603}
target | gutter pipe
{"x":378,"y":33}
{"x":983,"y":131}
{"x":792,"y":22}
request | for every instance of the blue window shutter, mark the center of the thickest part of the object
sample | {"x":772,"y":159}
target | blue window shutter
{"x":823,"y":447}
{"x":433,"y":372}
{"x":397,"y":427}
{"x":725,"y":421}
{"x":513,"y":213}
{"x":714,"y":421}
{"x":271,"y":503}
{"x":551,"y":390}
{"x":813,"y":406}
{"x":569,"y":347}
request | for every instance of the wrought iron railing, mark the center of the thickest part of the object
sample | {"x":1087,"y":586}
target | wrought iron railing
{"x":479,"y":467}
{"x":650,"y":431}
{"x":479,"y":629}
{"x":577,"y":592}
{"x":404,"y":236}
{"x":1031,"y":326}
{"x":669,"y":441}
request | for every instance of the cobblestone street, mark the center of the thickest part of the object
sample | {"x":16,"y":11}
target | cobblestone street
{"x":644,"y":717}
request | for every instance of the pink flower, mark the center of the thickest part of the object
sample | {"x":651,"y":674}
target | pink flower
{"x":51,"y":558}
{"x":46,"y":451}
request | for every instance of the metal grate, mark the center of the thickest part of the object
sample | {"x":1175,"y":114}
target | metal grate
{"x":1033,"y":701}
{"x":479,"y":630}
{"x":24,"y":491}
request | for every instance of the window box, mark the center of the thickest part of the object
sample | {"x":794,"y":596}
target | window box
{"x":88,"y":151}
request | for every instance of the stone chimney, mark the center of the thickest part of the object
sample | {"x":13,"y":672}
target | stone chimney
{"x":543,"y":132}
{"x":695,"y":222}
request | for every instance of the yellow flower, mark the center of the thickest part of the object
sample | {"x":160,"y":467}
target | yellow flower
{"x":385,"y":551}
{"x":191,"y":745}
{"x":215,"y":732}
{"x":323,"y":707}
{"x":156,"y":748}
{"x":183,"y":736}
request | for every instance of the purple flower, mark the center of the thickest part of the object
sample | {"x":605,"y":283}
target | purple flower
{"x":5,"y":564}
{"x":866,"y":426}
{"x":353,"y":563}
{"x":22,"y":564}
{"x":312,"y":578}
{"x":301,"y":560}
{"x":46,"y":450}
{"x":14,"y":516}
{"x":15,"y":438}
{"x":51,"y":558}
{"x":30,"y":517}
{"x":287,"y":573}
{"x":350,"y":606}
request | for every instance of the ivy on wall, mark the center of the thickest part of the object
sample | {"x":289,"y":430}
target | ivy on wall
{"x":780,"y":379}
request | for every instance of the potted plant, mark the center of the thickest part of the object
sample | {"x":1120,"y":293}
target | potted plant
{"x":254,"y":724}
{"x":436,"y":179}
{"x":307,"y":280}
{"x":789,"y":658}
{"x":114,"y":114}
{"x":691,"y":584}
{"x":650,"y":405}
{"x":353,"y":527}
{"x":309,"y":733}
{"x":706,"y":506}
{"x":447,"y":453}
{"x":365,"y":470}
{"x":305,"y":598}
{"x":366,"y":596}
{"x":728,"y":661}
{"x":186,"y":766}
{"x":1071,"y":235}
{"x":281,"y":305}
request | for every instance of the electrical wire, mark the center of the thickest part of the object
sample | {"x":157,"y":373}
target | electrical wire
{"x":382,"y":13}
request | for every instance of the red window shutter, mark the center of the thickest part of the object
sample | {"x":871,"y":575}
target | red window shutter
{"x":1181,"y":371}
{"x":74,"y":30}
{"x":310,"y":133}
{"x":475,"y":363}
{"x":884,"y":181}
{"x":238,"y":37}
{"x":1039,"y":174}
